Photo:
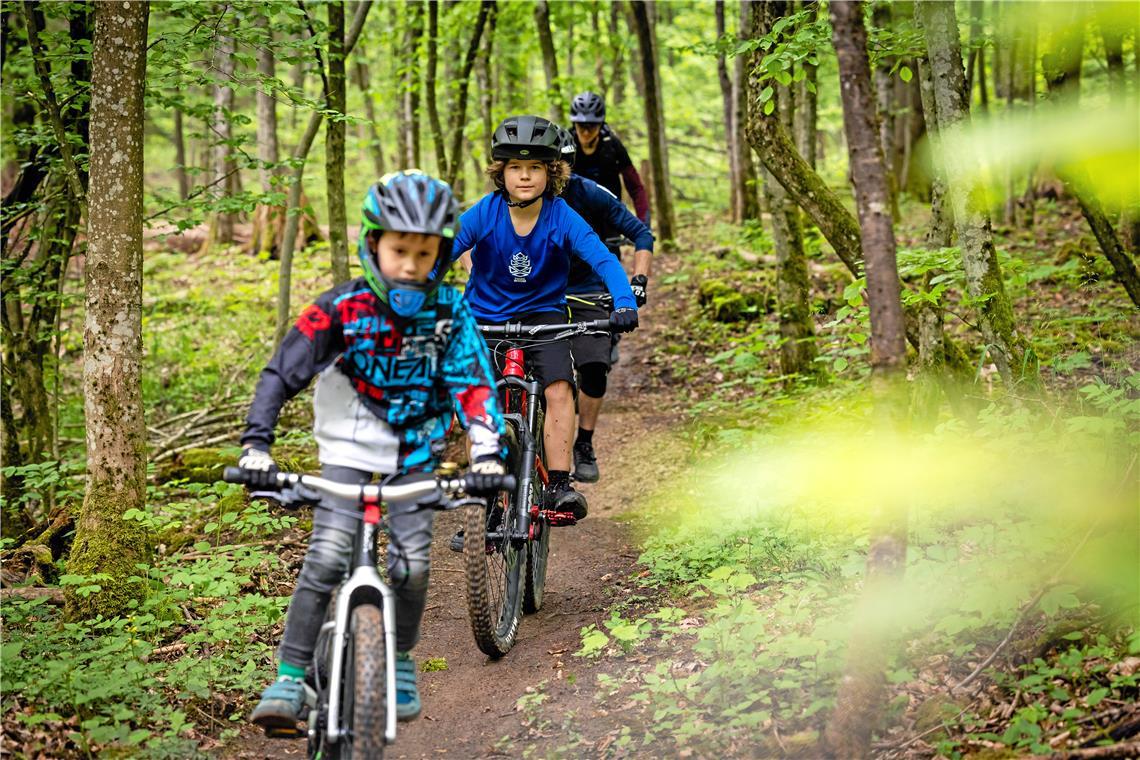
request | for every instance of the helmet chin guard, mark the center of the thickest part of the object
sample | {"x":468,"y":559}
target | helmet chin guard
{"x":406,"y":298}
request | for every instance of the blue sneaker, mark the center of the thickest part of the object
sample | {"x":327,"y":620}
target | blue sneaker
{"x":282,"y":705}
{"x":407,"y":694}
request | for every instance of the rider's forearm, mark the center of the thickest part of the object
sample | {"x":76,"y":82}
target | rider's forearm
{"x":642,"y":260}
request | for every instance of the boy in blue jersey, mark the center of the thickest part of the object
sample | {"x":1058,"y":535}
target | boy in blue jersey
{"x":394,"y":353}
{"x":521,"y":240}
{"x":585,"y":292}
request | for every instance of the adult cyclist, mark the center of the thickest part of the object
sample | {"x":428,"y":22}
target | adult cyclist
{"x":519,"y":241}
{"x":586,"y":296}
{"x":601,"y":155}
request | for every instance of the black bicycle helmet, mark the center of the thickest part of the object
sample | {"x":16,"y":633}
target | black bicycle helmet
{"x":408,"y":201}
{"x":587,"y":108}
{"x":529,"y":137}
{"x":567,"y":148}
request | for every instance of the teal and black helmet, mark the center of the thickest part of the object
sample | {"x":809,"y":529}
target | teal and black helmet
{"x":408,"y":201}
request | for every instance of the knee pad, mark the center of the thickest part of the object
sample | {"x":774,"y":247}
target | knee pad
{"x":326,"y":562}
{"x":593,"y":379}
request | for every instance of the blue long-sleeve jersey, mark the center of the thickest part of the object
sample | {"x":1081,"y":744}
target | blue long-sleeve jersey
{"x":608,"y":217}
{"x":516,"y":274}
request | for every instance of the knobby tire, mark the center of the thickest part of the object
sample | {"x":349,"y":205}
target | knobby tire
{"x":364,"y":684}
{"x":538,"y":550}
{"x":494,"y":568}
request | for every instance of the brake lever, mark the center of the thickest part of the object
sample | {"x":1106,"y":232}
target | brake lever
{"x":290,"y":497}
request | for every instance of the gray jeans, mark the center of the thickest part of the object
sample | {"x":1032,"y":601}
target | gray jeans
{"x":326,"y":562}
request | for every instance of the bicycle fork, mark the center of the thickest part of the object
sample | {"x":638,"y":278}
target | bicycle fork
{"x":364,"y":585}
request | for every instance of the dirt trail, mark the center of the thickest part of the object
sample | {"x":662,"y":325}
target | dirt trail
{"x":470,"y":708}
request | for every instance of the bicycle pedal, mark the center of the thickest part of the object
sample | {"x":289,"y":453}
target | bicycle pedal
{"x":559,"y":519}
{"x":284,"y":732}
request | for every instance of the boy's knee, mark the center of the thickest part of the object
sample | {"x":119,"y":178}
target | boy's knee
{"x":412,"y":575}
{"x":559,"y":393}
{"x":326,"y":561}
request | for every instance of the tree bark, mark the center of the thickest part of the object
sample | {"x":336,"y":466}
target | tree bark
{"x":797,"y":333}
{"x":975,"y":237}
{"x":976,"y":64}
{"x":455,"y":154}
{"x":887,"y":105}
{"x":859,"y":701}
{"x":872,"y":188}
{"x":735,"y":196}
{"x":749,"y":182}
{"x":412,"y":84}
{"x":655,"y":120}
{"x":486,"y":93}
{"x":397,"y":57}
{"x":429,"y":88}
{"x":334,"y":145}
{"x":105,"y":543}
{"x":180,"y":156}
{"x":1118,"y":93}
{"x":807,"y":99}
{"x":549,"y":61}
{"x":616,"y":91}
{"x":222,"y":225}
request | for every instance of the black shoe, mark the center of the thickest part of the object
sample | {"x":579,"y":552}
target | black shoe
{"x":585,"y":463}
{"x":456,"y":544}
{"x":561,"y":497}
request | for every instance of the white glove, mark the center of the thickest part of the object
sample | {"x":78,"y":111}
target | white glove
{"x":258,"y":461}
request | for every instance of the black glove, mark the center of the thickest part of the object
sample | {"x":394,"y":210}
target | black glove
{"x":638,"y":284}
{"x":485,"y":476}
{"x":260,"y":466}
{"x":623,"y":320}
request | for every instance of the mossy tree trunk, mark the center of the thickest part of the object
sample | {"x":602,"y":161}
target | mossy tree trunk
{"x":334,"y":145}
{"x":112,"y":362}
{"x":749,"y":190}
{"x":455,"y":153}
{"x":971,"y":219}
{"x":729,"y":104}
{"x":549,"y":60}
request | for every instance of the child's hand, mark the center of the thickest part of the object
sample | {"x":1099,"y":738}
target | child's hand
{"x":485,"y":476}
{"x":264,"y":470}
{"x":623,"y":320}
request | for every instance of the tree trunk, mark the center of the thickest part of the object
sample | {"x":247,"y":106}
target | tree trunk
{"x":976,"y":65}
{"x":806,"y":107}
{"x":616,"y":92}
{"x":655,"y":120}
{"x":375,"y":147}
{"x":486,"y":94}
{"x":599,"y":60}
{"x":797,"y":346}
{"x":334,"y":145}
{"x":455,"y":154}
{"x":105,"y":543}
{"x":267,"y":217}
{"x":296,"y":190}
{"x":635,"y":64}
{"x":872,"y":188}
{"x":429,"y":88}
{"x":180,"y":156}
{"x":975,"y":238}
{"x":1118,"y":94}
{"x":887,"y":105}
{"x":749,"y":182}
{"x":859,"y":702}
{"x":549,"y":61}
{"x":223,"y":164}
{"x":1062,"y":68}
{"x":412,"y":84}
{"x":939,"y":235}
{"x":735,"y":195}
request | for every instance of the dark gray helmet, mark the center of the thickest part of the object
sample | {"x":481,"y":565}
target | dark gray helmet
{"x":587,"y":108}
{"x":529,"y":137}
{"x":567,"y":148}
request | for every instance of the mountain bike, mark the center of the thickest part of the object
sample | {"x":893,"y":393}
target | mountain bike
{"x":507,"y":542}
{"x":349,"y":717}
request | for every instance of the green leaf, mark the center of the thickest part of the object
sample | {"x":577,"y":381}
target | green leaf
{"x":1095,"y":696}
{"x":769,"y":107}
{"x":905,"y":73}
{"x":840,"y":364}
{"x":766,"y":95}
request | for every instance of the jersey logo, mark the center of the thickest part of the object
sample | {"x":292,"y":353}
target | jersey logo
{"x":520,"y":266}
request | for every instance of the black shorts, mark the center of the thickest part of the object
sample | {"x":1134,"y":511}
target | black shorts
{"x":548,"y":361}
{"x":595,"y":347}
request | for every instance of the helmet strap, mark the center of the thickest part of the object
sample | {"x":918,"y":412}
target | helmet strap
{"x":520,"y":204}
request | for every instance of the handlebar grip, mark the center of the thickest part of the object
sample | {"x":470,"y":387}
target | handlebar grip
{"x":506,"y":482}
{"x":236,"y":475}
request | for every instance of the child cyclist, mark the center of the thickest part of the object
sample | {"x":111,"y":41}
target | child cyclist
{"x":394,"y":353}
{"x":521,"y":239}
{"x":585,"y":291}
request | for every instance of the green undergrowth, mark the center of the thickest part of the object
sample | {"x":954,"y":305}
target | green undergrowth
{"x":178,"y":667}
{"x":1024,"y":515}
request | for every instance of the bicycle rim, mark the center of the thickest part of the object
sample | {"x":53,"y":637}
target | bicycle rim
{"x":364,"y":685}
{"x":494,"y":577}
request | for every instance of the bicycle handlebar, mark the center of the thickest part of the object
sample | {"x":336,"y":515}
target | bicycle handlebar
{"x":370,"y":493}
{"x":519,"y":330}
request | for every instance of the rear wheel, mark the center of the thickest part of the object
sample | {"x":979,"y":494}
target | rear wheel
{"x":364,"y":708}
{"x":494,"y":568}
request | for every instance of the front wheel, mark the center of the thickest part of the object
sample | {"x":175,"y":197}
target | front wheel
{"x":365,"y":669}
{"x":493,"y":565}
{"x":537,"y":548}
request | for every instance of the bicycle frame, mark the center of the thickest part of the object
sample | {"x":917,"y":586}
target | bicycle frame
{"x":514,"y":375}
